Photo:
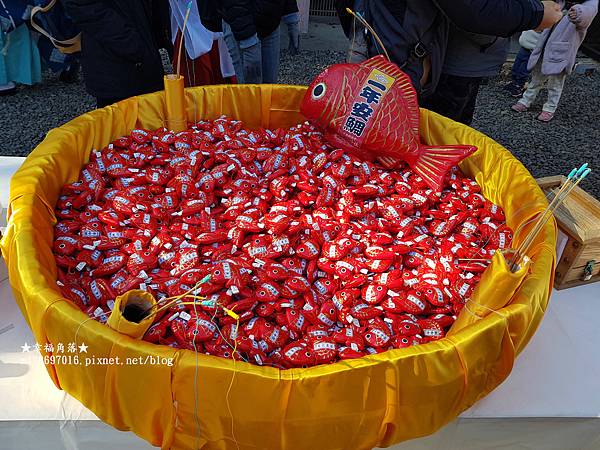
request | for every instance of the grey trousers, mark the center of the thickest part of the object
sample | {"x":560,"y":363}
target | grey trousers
{"x":555,"y":85}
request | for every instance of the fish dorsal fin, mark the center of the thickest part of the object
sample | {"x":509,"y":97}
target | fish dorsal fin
{"x":403,"y":82}
{"x":380,"y":62}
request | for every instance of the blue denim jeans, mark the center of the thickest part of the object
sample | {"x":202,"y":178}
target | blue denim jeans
{"x":234,"y":52}
{"x":269,"y":52}
{"x":520,"y":74}
{"x":270,"y":47}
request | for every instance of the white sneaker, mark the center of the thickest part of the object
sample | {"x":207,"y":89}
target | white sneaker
{"x":7,"y":88}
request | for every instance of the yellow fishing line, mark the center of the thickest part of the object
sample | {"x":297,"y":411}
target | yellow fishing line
{"x":237,"y":329}
{"x":173,"y":299}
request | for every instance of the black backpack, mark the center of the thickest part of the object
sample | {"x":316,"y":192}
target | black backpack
{"x":412,"y":31}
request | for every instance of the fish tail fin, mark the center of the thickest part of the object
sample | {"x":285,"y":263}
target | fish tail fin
{"x":433,"y":162}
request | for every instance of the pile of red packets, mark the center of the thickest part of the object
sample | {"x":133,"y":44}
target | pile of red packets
{"x":322,"y":256}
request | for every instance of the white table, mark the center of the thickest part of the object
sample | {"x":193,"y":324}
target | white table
{"x":550,"y":401}
{"x":8,"y":166}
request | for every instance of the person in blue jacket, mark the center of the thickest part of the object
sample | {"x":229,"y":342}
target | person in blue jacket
{"x":19,"y":56}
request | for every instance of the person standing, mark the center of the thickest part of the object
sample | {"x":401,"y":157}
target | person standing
{"x":119,"y":47}
{"x":470,"y":59}
{"x":416,"y":33}
{"x":19,"y":56}
{"x":251,"y":31}
{"x":58,"y":40}
{"x":204,"y":57}
{"x":519,"y":73}
{"x":554,"y":56}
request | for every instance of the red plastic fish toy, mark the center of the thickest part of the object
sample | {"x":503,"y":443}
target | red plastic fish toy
{"x":371,"y":109}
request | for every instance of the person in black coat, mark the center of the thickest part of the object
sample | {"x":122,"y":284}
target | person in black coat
{"x":416,"y":33}
{"x":119,"y":47}
{"x":251,"y":31}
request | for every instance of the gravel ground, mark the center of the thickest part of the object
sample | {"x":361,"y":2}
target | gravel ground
{"x":572,"y":138}
{"x":545,"y":149}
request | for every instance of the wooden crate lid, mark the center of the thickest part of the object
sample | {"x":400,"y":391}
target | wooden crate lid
{"x":579,"y":215}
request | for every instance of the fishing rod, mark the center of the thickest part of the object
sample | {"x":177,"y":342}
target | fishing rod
{"x":575,"y":177}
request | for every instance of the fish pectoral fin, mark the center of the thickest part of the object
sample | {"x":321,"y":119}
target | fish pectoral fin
{"x":388,"y":162}
{"x":432,"y":163}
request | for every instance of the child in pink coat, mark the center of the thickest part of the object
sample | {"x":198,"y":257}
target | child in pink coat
{"x":554,"y":56}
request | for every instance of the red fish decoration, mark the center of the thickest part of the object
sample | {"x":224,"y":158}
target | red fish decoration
{"x":371,"y":109}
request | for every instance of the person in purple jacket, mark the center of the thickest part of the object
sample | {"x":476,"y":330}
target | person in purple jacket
{"x":554,"y":56}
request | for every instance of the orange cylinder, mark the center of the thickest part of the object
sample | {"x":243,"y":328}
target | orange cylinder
{"x":175,"y":103}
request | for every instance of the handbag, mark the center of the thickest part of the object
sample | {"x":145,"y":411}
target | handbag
{"x":66,"y":46}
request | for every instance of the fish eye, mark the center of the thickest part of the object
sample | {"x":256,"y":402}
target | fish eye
{"x":319,"y":91}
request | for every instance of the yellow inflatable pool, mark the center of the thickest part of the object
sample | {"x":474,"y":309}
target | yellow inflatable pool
{"x":374,"y":401}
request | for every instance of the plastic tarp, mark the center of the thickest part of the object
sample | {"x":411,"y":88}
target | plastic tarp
{"x":373,"y":401}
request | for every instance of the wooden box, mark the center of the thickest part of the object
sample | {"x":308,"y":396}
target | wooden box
{"x":578,"y":251}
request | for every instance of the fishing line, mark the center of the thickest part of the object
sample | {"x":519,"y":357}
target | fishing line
{"x":173,"y":299}
{"x":496,"y":231}
{"x":231,"y":384}
{"x":525,"y":258}
{"x":351,"y":48}
{"x":477,"y":316}
{"x":93,"y":317}
{"x":371,"y":30}
{"x":196,"y":416}
{"x":185,"y":20}
{"x":575,"y":177}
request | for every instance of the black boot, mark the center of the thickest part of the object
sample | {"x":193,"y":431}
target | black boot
{"x":515,"y":90}
{"x":70,"y":74}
